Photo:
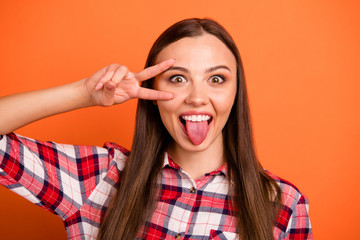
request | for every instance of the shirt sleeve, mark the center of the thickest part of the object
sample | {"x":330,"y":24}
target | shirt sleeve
{"x":299,"y":226}
{"x":293,"y":221}
{"x":57,"y":177}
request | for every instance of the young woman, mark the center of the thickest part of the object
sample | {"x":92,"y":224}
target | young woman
{"x":192,"y":172}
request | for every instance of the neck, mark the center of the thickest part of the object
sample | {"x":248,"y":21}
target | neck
{"x":198,"y":163}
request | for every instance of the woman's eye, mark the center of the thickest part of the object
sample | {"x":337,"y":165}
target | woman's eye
{"x":217,"y":79}
{"x":177,"y":79}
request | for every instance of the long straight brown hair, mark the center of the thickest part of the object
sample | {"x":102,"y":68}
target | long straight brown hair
{"x":255,"y":197}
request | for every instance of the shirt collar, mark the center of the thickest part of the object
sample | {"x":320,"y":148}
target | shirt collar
{"x":168,"y":162}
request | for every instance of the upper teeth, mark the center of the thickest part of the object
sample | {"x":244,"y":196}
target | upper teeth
{"x":196,"y":118}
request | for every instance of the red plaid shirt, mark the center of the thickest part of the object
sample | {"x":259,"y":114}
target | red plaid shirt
{"x":77,"y":182}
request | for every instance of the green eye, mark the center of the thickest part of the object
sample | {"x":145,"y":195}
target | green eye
{"x":177,"y":79}
{"x":217,"y":79}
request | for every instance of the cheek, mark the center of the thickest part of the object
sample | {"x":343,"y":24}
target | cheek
{"x":164,"y":107}
{"x":224,"y":102}
{"x":168,"y":110}
{"x":173,"y":104}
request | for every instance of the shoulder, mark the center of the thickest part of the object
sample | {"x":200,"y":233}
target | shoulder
{"x":113,"y":147}
{"x":118,"y":154}
{"x":293,"y":219}
{"x":290,"y":193}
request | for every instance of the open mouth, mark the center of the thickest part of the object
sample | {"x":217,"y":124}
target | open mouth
{"x":196,"y":127}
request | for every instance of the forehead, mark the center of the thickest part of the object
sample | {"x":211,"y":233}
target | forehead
{"x":205,"y":50}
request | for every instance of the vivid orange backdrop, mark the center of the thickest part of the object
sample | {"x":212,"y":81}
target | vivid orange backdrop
{"x":301,"y":60}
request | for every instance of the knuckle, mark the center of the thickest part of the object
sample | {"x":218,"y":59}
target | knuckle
{"x":113,"y":67}
{"x":129,"y":75}
{"x":123,"y":68}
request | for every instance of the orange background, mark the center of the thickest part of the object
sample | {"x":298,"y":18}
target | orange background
{"x":301,"y":61}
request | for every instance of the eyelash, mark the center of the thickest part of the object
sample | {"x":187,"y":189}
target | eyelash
{"x":219,"y":76}
{"x":172,"y":78}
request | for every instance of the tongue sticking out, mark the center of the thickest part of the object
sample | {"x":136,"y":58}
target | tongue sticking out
{"x":197,"y":131}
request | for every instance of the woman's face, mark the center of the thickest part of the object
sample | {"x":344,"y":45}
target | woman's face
{"x":203,"y":81}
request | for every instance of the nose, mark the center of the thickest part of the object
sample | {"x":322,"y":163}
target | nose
{"x":197,"y":95}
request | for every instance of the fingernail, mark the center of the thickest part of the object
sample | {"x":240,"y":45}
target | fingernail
{"x":170,"y":61}
{"x":98,"y":86}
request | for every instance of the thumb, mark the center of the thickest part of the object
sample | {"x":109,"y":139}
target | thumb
{"x":108,"y":93}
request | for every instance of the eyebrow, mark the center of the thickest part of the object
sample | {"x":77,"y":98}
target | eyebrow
{"x":177,"y":68}
{"x":216,"y":68}
{"x":208,"y":70}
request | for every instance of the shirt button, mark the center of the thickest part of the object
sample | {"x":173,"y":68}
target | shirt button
{"x":192,"y":190}
{"x":178,"y":236}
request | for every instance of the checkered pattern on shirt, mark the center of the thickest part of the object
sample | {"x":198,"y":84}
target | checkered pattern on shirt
{"x":77,"y":182}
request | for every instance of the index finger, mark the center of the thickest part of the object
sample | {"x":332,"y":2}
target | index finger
{"x":152,"y":71}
